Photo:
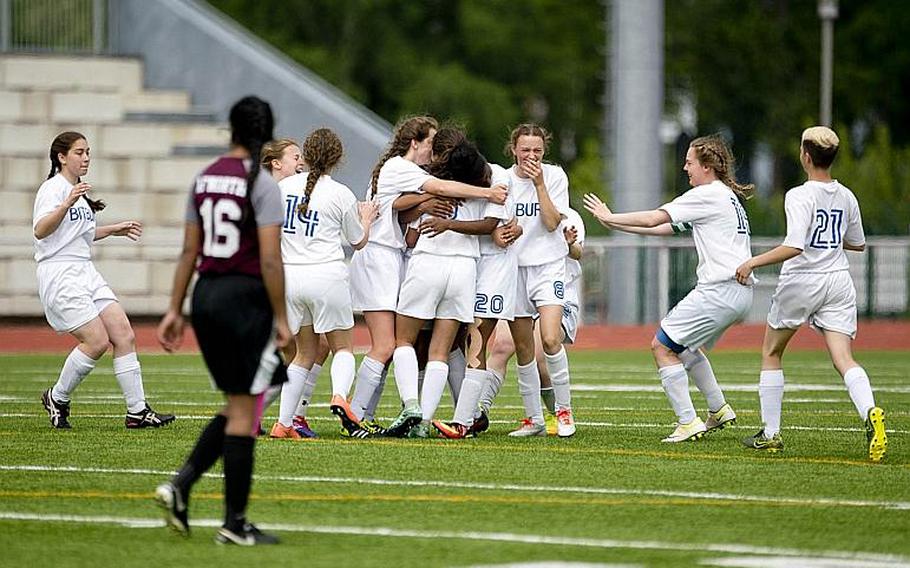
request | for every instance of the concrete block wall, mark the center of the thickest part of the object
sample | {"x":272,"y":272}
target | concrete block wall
{"x":133,"y":169}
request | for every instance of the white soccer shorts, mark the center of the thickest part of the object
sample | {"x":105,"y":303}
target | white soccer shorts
{"x":318,"y":295}
{"x":570,"y":323}
{"x":699,"y":319}
{"x":375,"y":278}
{"x":73,"y":293}
{"x":825,"y":301}
{"x":439,"y":287}
{"x":497,"y":276}
{"x":542,"y":285}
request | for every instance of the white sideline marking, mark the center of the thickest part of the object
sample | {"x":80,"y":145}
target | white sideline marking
{"x":789,"y":387}
{"x":805,"y":562}
{"x":893,"y":505}
{"x":267,"y":418}
{"x":143,"y":522}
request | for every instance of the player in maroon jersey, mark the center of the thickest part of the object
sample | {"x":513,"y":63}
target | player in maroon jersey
{"x":233,"y":219}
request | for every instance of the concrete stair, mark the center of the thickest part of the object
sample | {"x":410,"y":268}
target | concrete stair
{"x":146,"y":147}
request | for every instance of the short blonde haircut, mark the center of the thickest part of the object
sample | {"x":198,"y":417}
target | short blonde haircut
{"x":821,"y":143}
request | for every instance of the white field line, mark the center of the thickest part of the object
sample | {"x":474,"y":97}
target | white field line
{"x":819,"y":501}
{"x":269,"y":417}
{"x":790,"y":387}
{"x":388,"y":532}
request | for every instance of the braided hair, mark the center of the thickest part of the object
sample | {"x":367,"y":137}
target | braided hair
{"x":322,"y":151}
{"x":713,"y":152}
{"x":252,"y":125}
{"x":411,"y":128}
{"x":62,"y":145}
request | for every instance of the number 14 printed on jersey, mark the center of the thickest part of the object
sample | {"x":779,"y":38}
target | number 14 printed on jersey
{"x":292,"y":216}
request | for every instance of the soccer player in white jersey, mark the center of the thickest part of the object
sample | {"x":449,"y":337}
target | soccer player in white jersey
{"x":497,"y":270}
{"x":399,"y":184}
{"x":823,"y":220}
{"x":283,"y":158}
{"x":440,"y":282}
{"x":75,"y":296}
{"x":319,"y":212}
{"x":720,"y":228}
{"x":503,"y":347}
{"x":541,"y":195}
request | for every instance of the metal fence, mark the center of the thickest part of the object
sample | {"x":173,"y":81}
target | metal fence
{"x":42,"y":26}
{"x":881,"y":275}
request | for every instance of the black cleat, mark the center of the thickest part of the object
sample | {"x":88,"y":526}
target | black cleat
{"x":148,"y":418}
{"x":481,"y":424}
{"x":248,"y":535}
{"x":173,"y":503}
{"x":58,"y":412}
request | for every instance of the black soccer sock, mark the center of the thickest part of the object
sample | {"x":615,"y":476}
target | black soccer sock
{"x":549,"y":399}
{"x":209,"y":447}
{"x":238,"y":477}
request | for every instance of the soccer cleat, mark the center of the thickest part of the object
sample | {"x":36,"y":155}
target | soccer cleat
{"x":406,"y":419}
{"x":687,"y":432}
{"x":529,"y":428}
{"x":565,"y":423}
{"x":340,"y":408}
{"x":875,"y":434}
{"x":771,"y":445}
{"x":303,"y":428}
{"x":422,"y":430}
{"x":550,"y":421}
{"x":173,"y":503}
{"x":279,"y":430}
{"x":373,"y":427}
{"x":58,"y":412}
{"x":481,"y":423}
{"x":451,"y":430}
{"x":148,"y":418}
{"x":720,"y":419}
{"x":247,"y":535}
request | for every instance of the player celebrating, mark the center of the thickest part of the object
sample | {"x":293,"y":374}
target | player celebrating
{"x":320,"y":211}
{"x":232,"y":228}
{"x":823,"y":220}
{"x":541,"y":195}
{"x":399,"y":183}
{"x":75,"y":296}
{"x":713,"y":211}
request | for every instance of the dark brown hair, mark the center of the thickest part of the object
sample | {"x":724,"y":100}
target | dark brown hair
{"x":62,"y":145}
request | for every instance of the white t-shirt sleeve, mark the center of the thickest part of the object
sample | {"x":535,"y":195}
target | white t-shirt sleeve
{"x":404,"y":176}
{"x":495,"y":211}
{"x":854,"y":234}
{"x":49,"y":198}
{"x":559,"y":191}
{"x":350,"y":221}
{"x":799,"y":219}
{"x":690,"y":207}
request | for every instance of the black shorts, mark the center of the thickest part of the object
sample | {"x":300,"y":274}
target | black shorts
{"x":232,"y":318}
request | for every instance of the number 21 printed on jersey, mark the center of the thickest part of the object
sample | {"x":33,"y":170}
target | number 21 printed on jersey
{"x":827,"y":233}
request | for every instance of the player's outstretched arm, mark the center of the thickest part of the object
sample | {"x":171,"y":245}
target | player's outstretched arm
{"x":777,"y":254}
{"x":622,"y":221}
{"x":449,"y":188}
{"x":273,"y":278}
{"x":435,"y":226}
{"x":129,"y":229}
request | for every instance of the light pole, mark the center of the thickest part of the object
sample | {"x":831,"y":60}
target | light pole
{"x":827,"y":13}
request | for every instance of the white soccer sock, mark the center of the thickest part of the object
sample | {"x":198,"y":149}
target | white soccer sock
{"x":558,"y":367}
{"x":309,"y":385}
{"x":529,"y":388}
{"x":369,"y":412}
{"x":368,"y":378}
{"x":860,"y":390}
{"x":457,"y":367}
{"x":434,"y":382}
{"x":771,"y":397}
{"x":129,"y":375}
{"x":342,"y":373}
{"x":676,"y":385}
{"x":405,"y":359}
{"x":290,"y":394}
{"x":491,"y":389}
{"x":474,"y":381}
{"x":699,"y":368}
{"x":76,"y":367}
